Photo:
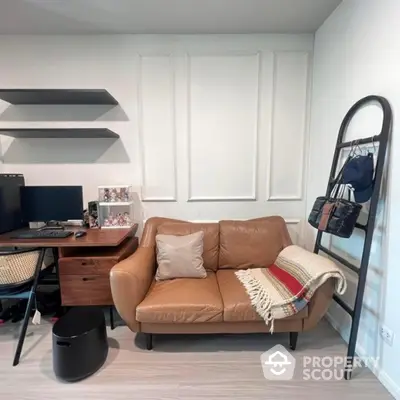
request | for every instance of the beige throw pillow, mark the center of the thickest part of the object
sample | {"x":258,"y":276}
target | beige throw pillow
{"x":180,"y":256}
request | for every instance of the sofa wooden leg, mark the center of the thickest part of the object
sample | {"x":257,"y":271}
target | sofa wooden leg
{"x":293,"y":340}
{"x":149,"y":341}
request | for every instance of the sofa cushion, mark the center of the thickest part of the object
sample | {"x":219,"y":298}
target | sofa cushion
{"x":182,"y":300}
{"x":180,"y":256}
{"x":237,"y":305}
{"x":280,"y":225}
{"x":210,"y":240}
{"x":248,"y":244}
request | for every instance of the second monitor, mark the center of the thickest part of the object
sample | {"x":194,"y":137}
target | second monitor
{"x":51,"y":203}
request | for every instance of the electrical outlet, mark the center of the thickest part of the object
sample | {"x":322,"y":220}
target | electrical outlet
{"x":387,"y":335}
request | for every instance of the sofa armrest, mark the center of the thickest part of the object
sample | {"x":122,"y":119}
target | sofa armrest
{"x":130,"y":280}
{"x":319,"y":304}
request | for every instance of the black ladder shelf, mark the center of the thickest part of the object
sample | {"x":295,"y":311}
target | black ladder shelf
{"x":368,"y":228}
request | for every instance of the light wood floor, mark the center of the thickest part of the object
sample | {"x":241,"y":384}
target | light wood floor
{"x":180,"y":367}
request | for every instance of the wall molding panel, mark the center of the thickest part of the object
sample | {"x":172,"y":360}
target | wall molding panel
{"x":224,"y":198}
{"x":153,"y":148}
{"x":287,"y":141}
{"x":226,"y":160}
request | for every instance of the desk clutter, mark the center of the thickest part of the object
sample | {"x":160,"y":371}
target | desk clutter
{"x":115,"y":194}
{"x":59,"y":206}
{"x":115,"y":206}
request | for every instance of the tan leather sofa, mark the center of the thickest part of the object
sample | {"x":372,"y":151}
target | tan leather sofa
{"x":215,"y":304}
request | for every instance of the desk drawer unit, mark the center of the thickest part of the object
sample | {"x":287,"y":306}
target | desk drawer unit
{"x":90,"y":290}
{"x":93,"y":266}
{"x":85,"y":274}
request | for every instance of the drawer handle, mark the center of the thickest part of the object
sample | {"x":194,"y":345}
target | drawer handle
{"x":88,"y":279}
{"x":63,"y":344}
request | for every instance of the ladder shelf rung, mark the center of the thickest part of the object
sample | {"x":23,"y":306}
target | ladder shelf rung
{"x":362,"y":227}
{"x":344,"y":305}
{"x":358,"y":142}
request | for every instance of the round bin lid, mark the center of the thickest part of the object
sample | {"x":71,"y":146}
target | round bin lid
{"x":78,"y":321}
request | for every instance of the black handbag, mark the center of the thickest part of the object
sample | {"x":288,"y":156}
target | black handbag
{"x":334,"y":214}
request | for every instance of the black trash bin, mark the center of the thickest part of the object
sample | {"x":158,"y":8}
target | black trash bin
{"x":80,"y":344}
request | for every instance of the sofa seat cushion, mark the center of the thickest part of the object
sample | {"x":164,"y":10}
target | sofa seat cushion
{"x":237,"y":305}
{"x":183,"y":300}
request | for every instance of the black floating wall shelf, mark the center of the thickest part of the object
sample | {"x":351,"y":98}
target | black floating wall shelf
{"x":48,"y":133}
{"x":57,"y":96}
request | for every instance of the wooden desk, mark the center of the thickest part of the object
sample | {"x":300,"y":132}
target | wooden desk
{"x":84,"y":263}
{"x":83,"y":266}
{"x":93,"y":238}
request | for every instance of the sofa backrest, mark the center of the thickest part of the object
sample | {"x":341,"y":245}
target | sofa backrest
{"x":150,"y":230}
{"x":252,"y":243}
{"x":227,"y":244}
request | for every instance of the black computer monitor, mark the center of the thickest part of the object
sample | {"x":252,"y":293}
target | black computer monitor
{"x":51,"y":203}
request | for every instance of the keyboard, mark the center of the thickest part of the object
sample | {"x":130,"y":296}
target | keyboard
{"x":45,"y":234}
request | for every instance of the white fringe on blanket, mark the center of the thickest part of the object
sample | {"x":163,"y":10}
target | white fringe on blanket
{"x":260,"y":299}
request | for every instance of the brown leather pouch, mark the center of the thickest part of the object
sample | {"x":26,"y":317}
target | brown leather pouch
{"x":325,"y":215}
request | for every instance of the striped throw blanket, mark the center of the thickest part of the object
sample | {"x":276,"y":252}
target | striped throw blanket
{"x":285,"y":288}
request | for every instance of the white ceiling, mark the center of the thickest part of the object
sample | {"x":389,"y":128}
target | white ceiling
{"x":163,"y":16}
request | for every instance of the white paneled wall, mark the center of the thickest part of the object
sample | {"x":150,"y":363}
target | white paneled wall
{"x":220,"y":87}
{"x":213,"y":127}
{"x":286,"y":168}
{"x":156,"y":102}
